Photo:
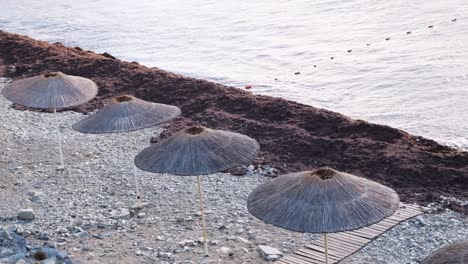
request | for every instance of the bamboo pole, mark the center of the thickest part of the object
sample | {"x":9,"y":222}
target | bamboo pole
{"x":137,"y":186}
{"x":202,"y":211}
{"x":326,"y":247}
{"x":62,"y":164}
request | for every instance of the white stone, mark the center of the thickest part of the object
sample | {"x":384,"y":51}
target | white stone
{"x":226,"y":251}
{"x":267,"y":250}
{"x":26,"y":214}
{"x":272,"y":257}
{"x":19,"y":230}
{"x":243,"y":240}
{"x":202,"y":241}
{"x":187,"y":242}
{"x":166,"y":255}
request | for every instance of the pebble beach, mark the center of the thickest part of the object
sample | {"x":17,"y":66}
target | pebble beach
{"x":88,"y":210}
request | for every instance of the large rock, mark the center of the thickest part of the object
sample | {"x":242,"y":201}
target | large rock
{"x":26,"y":214}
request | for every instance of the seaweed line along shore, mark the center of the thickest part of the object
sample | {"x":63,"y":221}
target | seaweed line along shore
{"x":292,"y":136}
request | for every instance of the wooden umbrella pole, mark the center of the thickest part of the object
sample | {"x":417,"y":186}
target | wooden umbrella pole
{"x":59,"y":139}
{"x":326,"y":247}
{"x":202,"y":211}
{"x":137,"y":186}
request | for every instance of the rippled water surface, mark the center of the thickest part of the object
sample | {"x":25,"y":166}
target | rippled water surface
{"x":417,"y":82}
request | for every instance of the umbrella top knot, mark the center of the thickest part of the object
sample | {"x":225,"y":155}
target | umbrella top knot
{"x":123,"y":98}
{"x":195,"y":130}
{"x":51,"y":74}
{"x":324,"y":173}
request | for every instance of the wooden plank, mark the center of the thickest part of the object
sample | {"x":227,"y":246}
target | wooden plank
{"x":388,"y":223}
{"x":331,"y":252}
{"x":318,"y":258}
{"x":313,"y":254}
{"x":405,"y":213}
{"x":361,"y":233}
{"x":395,"y":219}
{"x":398,"y":219}
{"x":300,"y":257}
{"x":344,"y":244}
{"x":380,"y":229}
{"x":371,"y":231}
{"x":390,"y":220}
{"x":352,"y":239}
{"x":337,"y":244}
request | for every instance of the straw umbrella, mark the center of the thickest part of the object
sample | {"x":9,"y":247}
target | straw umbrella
{"x":455,"y":253}
{"x":197,"y":151}
{"x":126,"y":113}
{"x":52,"y":90}
{"x":322,"y":201}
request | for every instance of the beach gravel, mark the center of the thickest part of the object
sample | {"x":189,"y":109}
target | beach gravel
{"x":88,"y":210}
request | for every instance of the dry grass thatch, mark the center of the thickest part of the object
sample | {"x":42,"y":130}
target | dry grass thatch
{"x":198,"y":151}
{"x":322,"y":201}
{"x":455,"y":253}
{"x":51,"y":90}
{"x":126,"y":113}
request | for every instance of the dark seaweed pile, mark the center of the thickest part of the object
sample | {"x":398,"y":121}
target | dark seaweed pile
{"x":292,"y":136}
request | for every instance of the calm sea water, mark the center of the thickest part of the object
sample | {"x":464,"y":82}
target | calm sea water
{"x":417,"y":82}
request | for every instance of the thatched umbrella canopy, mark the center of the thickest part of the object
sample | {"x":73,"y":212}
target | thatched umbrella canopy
{"x":455,"y":253}
{"x":51,"y":91}
{"x":322,"y":201}
{"x":126,"y":113}
{"x":198,"y":151}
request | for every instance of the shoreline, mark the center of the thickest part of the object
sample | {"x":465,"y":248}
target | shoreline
{"x":292,"y":136}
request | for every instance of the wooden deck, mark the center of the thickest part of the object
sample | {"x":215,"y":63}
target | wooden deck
{"x":344,"y":244}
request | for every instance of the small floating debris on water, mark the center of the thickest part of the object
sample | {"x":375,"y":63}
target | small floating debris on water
{"x":297,"y":73}
{"x":387,"y":39}
{"x":453,"y":20}
{"x":431,"y":26}
{"x":350,"y":50}
{"x":276,"y":79}
{"x":331,"y":58}
{"x":315,"y":66}
{"x":368,"y":44}
{"x":409,"y":32}
{"x":248,"y":87}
